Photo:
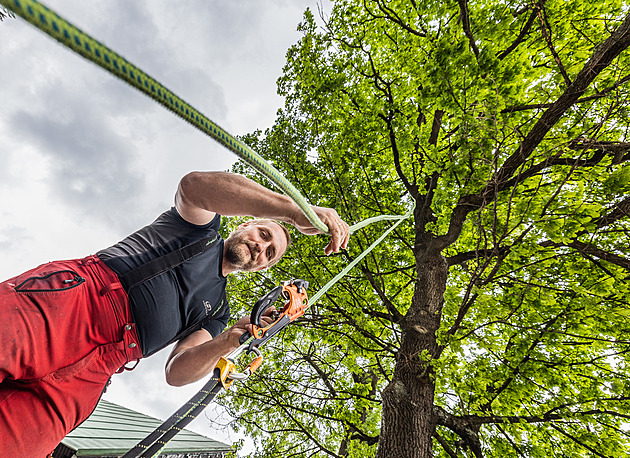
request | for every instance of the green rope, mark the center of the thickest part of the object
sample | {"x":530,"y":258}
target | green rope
{"x":355,"y":261}
{"x":70,"y":36}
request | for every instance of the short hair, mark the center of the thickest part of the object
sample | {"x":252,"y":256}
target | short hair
{"x":287,"y":234}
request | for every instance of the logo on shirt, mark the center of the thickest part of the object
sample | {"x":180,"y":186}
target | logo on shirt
{"x":208,"y":306}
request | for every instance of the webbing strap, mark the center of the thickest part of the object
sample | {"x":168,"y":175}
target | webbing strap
{"x":164,"y":263}
{"x":161,"y":264}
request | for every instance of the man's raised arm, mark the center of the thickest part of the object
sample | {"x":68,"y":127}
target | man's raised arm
{"x":201,"y":195}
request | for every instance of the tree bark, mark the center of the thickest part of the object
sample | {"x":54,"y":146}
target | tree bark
{"x":408,"y":420}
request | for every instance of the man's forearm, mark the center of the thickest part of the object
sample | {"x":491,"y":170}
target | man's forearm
{"x":196,"y":362}
{"x":234,"y":195}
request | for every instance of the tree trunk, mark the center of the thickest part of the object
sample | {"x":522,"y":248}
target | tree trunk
{"x":408,"y":422}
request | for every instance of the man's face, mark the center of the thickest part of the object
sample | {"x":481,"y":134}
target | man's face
{"x":255,"y":246}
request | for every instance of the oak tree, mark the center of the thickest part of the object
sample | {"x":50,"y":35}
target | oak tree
{"x":495,"y":321}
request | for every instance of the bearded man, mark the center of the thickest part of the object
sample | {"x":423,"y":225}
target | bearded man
{"x":68,"y":326}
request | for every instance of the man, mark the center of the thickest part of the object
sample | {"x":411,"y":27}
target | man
{"x":67,"y":326}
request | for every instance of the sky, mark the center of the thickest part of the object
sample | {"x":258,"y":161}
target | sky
{"x":85,"y":159}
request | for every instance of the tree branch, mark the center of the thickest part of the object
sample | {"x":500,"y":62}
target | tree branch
{"x":396,"y":316}
{"x":545,"y":418}
{"x":423,"y":213}
{"x":370,"y":440}
{"x":447,"y":448}
{"x":435,"y":127}
{"x":476,"y":254}
{"x":618,"y":211}
{"x":601,"y":149}
{"x":546,"y":31}
{"x":392,"y":140}
{"x":585,"y":248}
{"x":601,"y":58}
{"x":302,"y":428}
{"x":516,"y":369}
{"x":465,"y":17}
{"x":322,"y":375}
{"x":577,"y":441}
{"x":524,"y":30}
{"x":461,"y":426}
{"x":617,"y":149}
{"x":392,"y":16}
{"x":595,"y":96}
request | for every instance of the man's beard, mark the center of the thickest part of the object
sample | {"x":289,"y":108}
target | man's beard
{"x":236,"y":254}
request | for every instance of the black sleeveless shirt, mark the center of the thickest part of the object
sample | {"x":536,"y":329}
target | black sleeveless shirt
{"x":165,"y":306}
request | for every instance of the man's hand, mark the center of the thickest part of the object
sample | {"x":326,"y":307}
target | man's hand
{"x":203,"y":194}
{"x":339,"y":229}
{"x":244,"y":325}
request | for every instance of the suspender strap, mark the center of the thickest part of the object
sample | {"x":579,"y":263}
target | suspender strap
{"x":159,"y":265}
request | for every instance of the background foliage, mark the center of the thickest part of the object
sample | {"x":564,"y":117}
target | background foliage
{"x":507,"y":122}
{"x":5,"y":13}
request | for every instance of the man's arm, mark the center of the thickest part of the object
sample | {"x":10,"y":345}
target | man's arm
{"x":201,"y":195}
{"x":196,"y":356}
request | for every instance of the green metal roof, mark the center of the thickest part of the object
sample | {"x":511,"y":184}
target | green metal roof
{"x":113,"y":429}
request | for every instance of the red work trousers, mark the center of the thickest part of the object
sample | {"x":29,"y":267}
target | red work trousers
{"x":65,"y":328}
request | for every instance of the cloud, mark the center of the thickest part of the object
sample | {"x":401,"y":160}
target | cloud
{"x":12,"y":237}
{"x":131,"y":30}
{"x":90,"y":166}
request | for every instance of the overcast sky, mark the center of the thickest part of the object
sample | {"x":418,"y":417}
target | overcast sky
{"x":85,"y":159}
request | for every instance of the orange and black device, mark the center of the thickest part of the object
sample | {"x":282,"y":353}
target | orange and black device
{"x":296,"y":301}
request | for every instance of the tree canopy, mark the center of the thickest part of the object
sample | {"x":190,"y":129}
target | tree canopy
{"x":495,"y":323}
